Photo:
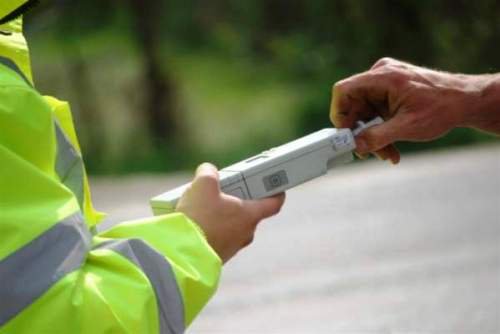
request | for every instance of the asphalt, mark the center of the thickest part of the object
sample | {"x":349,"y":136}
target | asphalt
{"x":369,"y":248}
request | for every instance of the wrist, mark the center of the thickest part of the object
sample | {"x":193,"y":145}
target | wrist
{"x":483,"y":111}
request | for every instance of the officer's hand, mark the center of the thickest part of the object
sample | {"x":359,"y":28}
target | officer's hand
{"x":418,"y":104}
{"x":228,"y":222}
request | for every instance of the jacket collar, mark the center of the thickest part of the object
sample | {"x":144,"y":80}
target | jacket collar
{"x":14,"y":48}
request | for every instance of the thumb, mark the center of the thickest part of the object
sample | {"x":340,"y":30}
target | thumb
{"x":206,"y":178}
{"x":206,"y":168}
{"x":378,"y":136}
{"x":265,"y":207}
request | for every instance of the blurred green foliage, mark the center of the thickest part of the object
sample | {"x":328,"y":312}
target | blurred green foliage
{"x":164,"y":85}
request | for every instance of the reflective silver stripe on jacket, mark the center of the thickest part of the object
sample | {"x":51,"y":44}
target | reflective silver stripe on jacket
{"x":30,"y":271}
{"x":161,"y":277}
{"x":10,"y":64}
{"x":69,"y":164}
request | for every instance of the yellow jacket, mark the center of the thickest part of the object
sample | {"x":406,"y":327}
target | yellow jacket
{"x":147,"y":276}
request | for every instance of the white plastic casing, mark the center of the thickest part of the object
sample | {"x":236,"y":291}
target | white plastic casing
{"x":277,"y":169}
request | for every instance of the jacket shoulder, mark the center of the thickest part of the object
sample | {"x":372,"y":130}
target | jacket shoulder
{"x":26,"y":121}
{"x":10,"y":77}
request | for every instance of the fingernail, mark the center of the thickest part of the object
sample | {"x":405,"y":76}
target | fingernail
{"x":204,"y":166}
{"x":394,"y":160}
{"x":361,"y":156}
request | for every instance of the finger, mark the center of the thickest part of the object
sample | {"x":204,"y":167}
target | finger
{"x":346,"y":110}
{"x":390,"y":153}
{"x":362,"y":96}
{"x":265,"y":207}
{"x":379,"y":136}
{"x":206,"y":179}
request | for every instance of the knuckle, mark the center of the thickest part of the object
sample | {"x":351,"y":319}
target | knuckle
{"x":384,"y":61}
{"x":248,"y":241}
{"x":374,"y":141}
{"x":339,"y":86}
{"x":253,"y":221}
{"x":370,"y":140}
{"x":277,"y":208}
{"x":397,"y":77}
{"x":393,"y":75}
{"x":205,"y":179}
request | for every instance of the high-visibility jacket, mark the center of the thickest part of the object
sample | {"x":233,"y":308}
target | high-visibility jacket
{"x":151,"y":275}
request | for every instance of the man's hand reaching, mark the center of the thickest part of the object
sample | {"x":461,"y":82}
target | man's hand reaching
{"x":417,"y":104}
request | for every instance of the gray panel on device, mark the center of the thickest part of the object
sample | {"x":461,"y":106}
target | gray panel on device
{"x":277,"y":169}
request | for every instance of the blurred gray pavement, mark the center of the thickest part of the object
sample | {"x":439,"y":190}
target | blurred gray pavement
{"x":369,"y":248}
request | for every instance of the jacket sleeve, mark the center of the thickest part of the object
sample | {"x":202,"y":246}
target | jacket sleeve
{"x":146,"y":276}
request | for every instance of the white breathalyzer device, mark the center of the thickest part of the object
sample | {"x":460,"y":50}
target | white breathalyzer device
{"x":280,"y":168}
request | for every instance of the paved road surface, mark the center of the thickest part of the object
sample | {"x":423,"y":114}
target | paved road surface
{"x":413,"y":248}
